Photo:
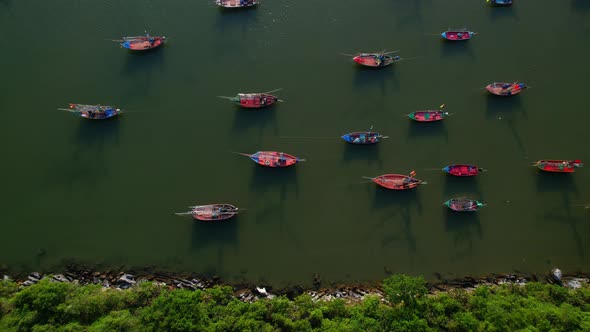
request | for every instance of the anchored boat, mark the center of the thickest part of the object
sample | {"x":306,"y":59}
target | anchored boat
{"x":363,"y":137}
{"x":211,"y":212}
{"x":505,"y":89}
{"x":236,"y":3}
{"x":376,"y":60}
{"x":463,"y":204}
{"x":397,"y":181}
{"x":255,"y":99}
{"x":500,"y":2}
{"x":458,"y":34}
{"x":559,"y":166}
{"x":463,"y":170}
{"x":429,"y":115}
{"x":93,"y":112}
{"x":273,"y":158}
{"x":142,"y":43}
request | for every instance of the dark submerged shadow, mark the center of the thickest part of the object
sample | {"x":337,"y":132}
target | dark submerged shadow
{"x":432,"y":129}
{"x":276,"y":181}
{"x":397,"y":205}
{"x":556,"y":182}
{"x":368,"y":153}
{"x":376,"y":78}
{"x":564,"y":216}
{"x":464,"y":227}
{"x":144,"y":62}
{"x":500,"y":12}
{"x":245,"y":119}
{"x":456,"y":48}
{"x":581,"y":5}
{"x":234,"y":18}
{"x":216,"y":233}
{"x":495,"y":105}
{"x":96,"y":134}
{"x":465,"y":186}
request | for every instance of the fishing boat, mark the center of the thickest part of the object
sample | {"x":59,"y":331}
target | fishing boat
{"x":363,"y":137}
{"x":458,"y":34}
{"x":559,"y":166}
{"x":255,"y":99}
{"x":93,"y":112}
{"x":273,"y":159}
{"x":505,"y":89}
{"x":429,"y":115}
{"x":375,"y":60}
{"x":463,"y":204}
{"x":142,"y":43}
{"x":211,"y":212}
{"x":500,"y":2}
{"x":463,"y":170}
{"x":236,"y":3}
{"x":397,"y":181}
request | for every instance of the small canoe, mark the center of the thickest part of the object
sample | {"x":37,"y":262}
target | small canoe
{"x":255,"y":99}
{"x":273,"y":158}
{"x":397,"y":181}
{"x":559,"y":166}
{"x":463,"y":204}
{"x":461,"y":34}
{"x":211,"y":212}
{"x":375,"y":59}
{"x":463,"y":170}
{"x":428,"y":116}
{"x":236,"y":3}
{"x":505,"y":89}
{"x":363,"y":137}
{"x":93,"y":112}
{"x":142,"y":43}
{"x":500,"y":2}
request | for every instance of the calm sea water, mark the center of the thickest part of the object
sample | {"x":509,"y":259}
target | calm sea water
{"x":106,"y":192}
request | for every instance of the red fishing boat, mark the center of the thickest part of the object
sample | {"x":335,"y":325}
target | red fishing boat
{"x":505,"y":89}
{"x":429,"y":115}
{"x":255,"y":99}
{"x":375,"y":60}
{"x":463,"y":170}
{"x":141,"y":43}
{"x":559,"y":166}
{"x":273,"y":158}
{"x":397,"y":181}
{"x":211,"y":212}
{"x":458,"y":34}
{"x":236,"y":3}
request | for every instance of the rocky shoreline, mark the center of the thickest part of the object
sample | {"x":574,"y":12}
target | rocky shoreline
{"x":249,"y":292}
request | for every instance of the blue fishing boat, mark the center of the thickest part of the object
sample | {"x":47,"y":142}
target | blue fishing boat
{"x":365,"y":137}
{"x":93,"y":112}
{"x":500,"y":2}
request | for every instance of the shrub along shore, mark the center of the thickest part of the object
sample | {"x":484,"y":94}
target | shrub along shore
{"x":120,"y":302}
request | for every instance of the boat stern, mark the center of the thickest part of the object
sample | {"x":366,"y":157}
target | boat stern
{"x":347,"y":138}
{"x":447,"y":169}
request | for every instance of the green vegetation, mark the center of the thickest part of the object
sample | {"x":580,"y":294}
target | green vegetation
{"x":52,"y":306}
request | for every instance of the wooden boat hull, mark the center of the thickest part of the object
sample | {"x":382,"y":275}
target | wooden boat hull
{"x":93,"y":112}
{"x":397,"y":181}
{"x":428,"y":116}
{"x":362,"y":138}
{"x":274,"y":159}
{"x":236,"y":3}
{"x":462,"y":170}
{"x":457,"y":35}
{"x":559,"y":166}
{"x":255,"y":100}
{"x":500,"y":2}
{"x":375,"y":60}
{"x":214,"y":212}
{"x":463,"y":204}
{"x":505,"y":89}
{"x":143,"y":43}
